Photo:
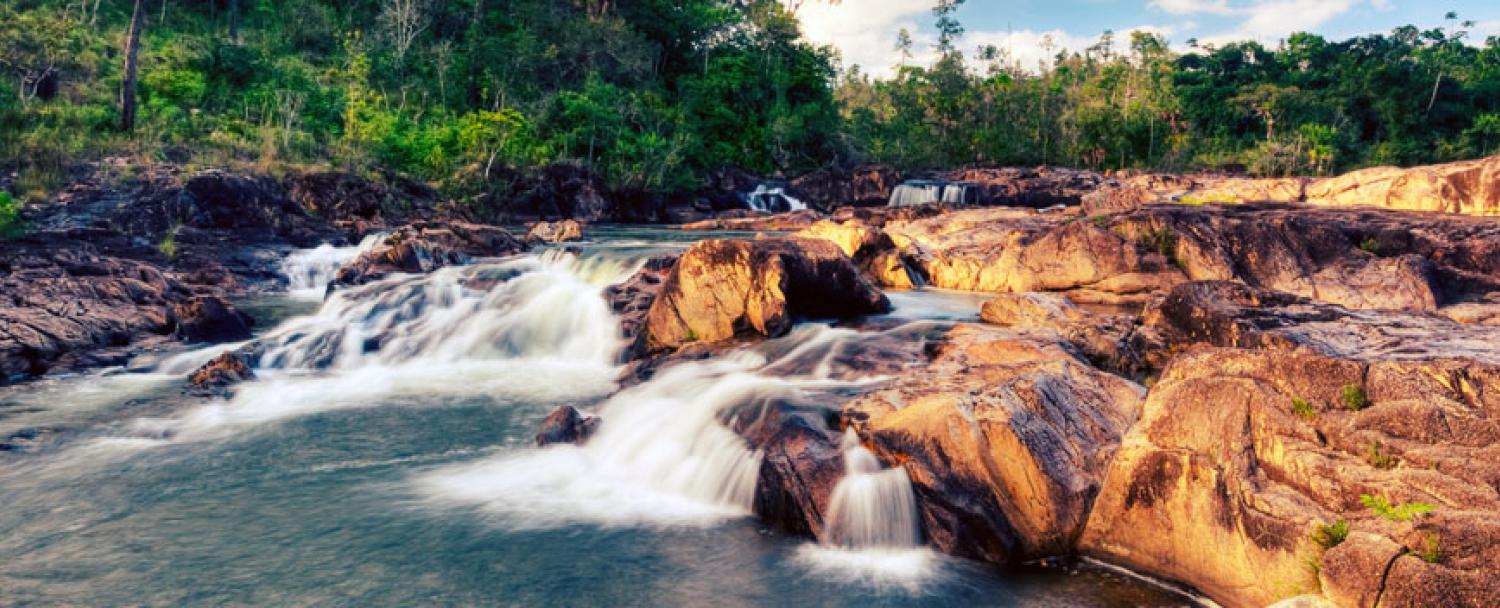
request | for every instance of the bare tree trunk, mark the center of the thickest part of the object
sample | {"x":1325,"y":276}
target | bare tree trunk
{"x":132,"y":53}
{"x":1433,"y":99}
{"x":234,"y":22}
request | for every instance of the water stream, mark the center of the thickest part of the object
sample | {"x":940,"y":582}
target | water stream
{"x":384,"y":456}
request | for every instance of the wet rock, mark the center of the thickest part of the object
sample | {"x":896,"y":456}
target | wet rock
{"x":224,"y":370}
{"x":555,"y":232}
{"x":631,"y":300}
{"x":802,"y":463}
{"x":566,"y":425}
{"x":1006,"y":437}
{"x":863,"y":186}
{"x":60,"y":301}
{"x":720,"y":289}
{"x":338,"y":196}
{"x":212,"y":320}
{"x":427,"y":246}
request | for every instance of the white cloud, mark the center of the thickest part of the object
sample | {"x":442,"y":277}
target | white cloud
{"x":1190,"y":7}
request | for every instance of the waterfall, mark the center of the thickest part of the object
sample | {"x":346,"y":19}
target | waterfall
{"x":871,"y":507}
{"x":771,"y":199}
{"x":308,"y":271}
{"x":915,"y":193}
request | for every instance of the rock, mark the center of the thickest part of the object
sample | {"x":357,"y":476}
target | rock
{"x":802,"y":462}
{"x":212,"y":320}
{"x":631,"y":300}
{"x":864,"y":186}
{"x":566,"y":425}
{"x":224,"y":370}
{"x":59,"y":300}
{"x":427,"y":246}
{"x":1354,"y":572}
{"x":226,"y":200}
{"x":745,"y":219}
{"x":338,"y":196}
{"x":566,"y":190}
{"x":555,"y":232}
{"x":1469,"y":188}
{"x":872,"y":250}
{"x":1006,"y":438}
{"x":1037,"y":188}
{"x":720,"y":289}
{"x":1240,"y":454}
{"x":1108,"y":341}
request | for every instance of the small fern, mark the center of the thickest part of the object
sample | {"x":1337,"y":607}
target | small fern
{"x":1329,"y":536}
{"x":1402,"y":512}
{"x":1432,"y":550}
{"x":1302,"y":408}
{"x":1354,"y":397}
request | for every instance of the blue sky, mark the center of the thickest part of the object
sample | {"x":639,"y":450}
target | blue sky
{"x":865,"y":30}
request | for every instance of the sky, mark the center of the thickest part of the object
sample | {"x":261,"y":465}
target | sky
{"x":864,"y":31}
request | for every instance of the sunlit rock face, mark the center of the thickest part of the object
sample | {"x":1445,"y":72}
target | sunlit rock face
{"x":719,"y":289}
{"x":1242,"y":454}
{"x":1005,"y":437}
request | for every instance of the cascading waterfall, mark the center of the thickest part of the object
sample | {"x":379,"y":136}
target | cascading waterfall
{"x":770,"y":199}
{"x":308,"y":271}
{"x":871,"y":507}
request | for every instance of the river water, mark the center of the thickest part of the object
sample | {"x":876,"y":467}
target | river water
{"x":385,"y":457}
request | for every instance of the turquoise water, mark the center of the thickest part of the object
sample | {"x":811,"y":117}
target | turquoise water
{"x":413,"y":480}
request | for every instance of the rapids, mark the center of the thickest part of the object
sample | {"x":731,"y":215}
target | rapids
{"x":384,"y":456}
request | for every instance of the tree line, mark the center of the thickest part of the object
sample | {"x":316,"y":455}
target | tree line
{"x":652,"y":94}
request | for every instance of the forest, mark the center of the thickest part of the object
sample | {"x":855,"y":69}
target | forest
{"x":649,"y":95}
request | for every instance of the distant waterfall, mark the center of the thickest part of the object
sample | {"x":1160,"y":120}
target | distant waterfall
{"x":922,"y":192}
{"x":771,"y":199}
{"x":871,"y":507}
{"x":308,"y":271}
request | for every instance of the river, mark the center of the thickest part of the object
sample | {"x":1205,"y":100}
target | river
{"x":385,"y":456}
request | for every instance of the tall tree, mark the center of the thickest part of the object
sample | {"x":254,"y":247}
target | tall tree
{"x":132,"y":54}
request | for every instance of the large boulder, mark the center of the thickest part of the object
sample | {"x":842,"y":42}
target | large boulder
{"x":224,"y":370}
{"x":211,"y":319}
{"x":1279,"y":417}
{"x":1469,"y":187}
{"x":1108,"y":340}
{"x":338,"y":196}
{"x":720,"y":289}
{"x":1006,"y":437}
{"x":871,"y":249}
{"x":425,"y":247}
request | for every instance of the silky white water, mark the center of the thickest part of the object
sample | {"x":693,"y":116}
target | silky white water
{"x":384,"y":456}
{"x":770,"y":199}
{"x":308,"y":271}
{"x":871,"y":507}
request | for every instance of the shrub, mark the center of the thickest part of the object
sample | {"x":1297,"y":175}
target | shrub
{"x":10,"y":216}
{"x":1432,"y":550}
{"x":1402,"y":512}
{"x":1329,"y":536}
{"x":1370,"y":245}
{"x":1162,"y":241}
{"x":1378,"y":458}
{"x":1302,"y":408}
{"x":1354,"y":397}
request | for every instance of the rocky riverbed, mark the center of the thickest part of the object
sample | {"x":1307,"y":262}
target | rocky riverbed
{"x":1262,"y":390}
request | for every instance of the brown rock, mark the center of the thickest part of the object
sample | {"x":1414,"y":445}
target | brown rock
{"x":1469,"y":188}
{"x":555,"y":232}
{"x":566,"y":425}
{"x":1108,"y":341}
{"x":427,"y":246}
{"x":871,"y":249}
{"x":750,"y":220}
{"x":224,"y":370}
{"x":211,"y":319}
{"x":1354,"y":572}
{"x":719,"y":289}
{"x":1005,"y":437}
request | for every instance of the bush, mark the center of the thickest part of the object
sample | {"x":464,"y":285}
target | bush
{"x":1354,"y":397}
{"x":1432,"y":550}
{"x":1302,"y":408}
{"x":1329,"y":536}
{"x":10,"y":216}
{"x":1379,"y":458}
{"x":1370,"y":245}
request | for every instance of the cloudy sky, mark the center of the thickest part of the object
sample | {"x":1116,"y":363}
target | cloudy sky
{"x":865,"y":31}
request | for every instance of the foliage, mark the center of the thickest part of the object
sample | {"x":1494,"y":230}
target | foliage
{"x":10,"y":216}
{"x":1377,"y":457}
{"x":1163,"y":241}
{"x":1432,"y":550}
{"x":1402,"y":512}
{"x":1354,"y":397}
{"x":1370,"y":245}
{"x":1329,"y":536}
{"x":1302,"y":408}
